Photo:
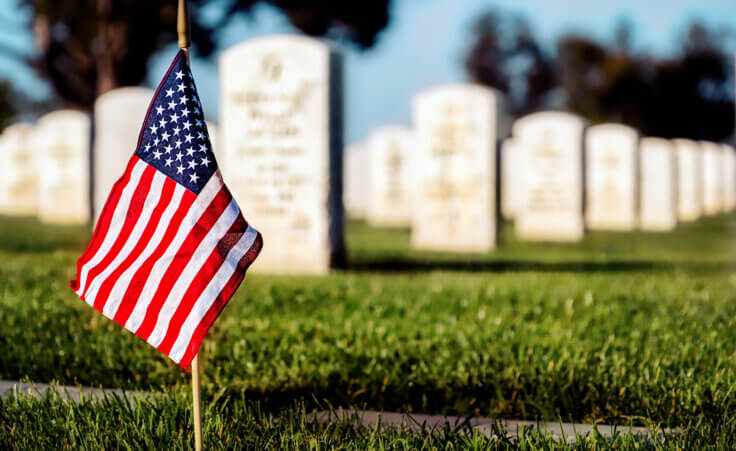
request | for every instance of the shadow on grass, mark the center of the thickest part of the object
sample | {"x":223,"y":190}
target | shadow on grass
{"x":28,"y":234}
{"x":403,"y":264}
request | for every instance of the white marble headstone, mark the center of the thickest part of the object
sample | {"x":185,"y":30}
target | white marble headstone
{"x":712,"y":178}
{"x":456,"y":131}
{"x":281,"y":141}
{"x":119,"y":115}
{"x":62,"y":140}
{"x":658,"y":205}
{"x":552,"y":208}
{"x":729,"y":177}
{"x":356,"y":180}
{"x":389,"y":192}
{"x":689,"y":179}
{"x":611,"y":168}
{"x":18,"y":171}
{"x":512,"y":190}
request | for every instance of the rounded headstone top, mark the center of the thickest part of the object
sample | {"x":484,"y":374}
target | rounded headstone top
{"x":654,"y":141}
{"x":283,"y":42}
{"x":684,"y":143}
{"x":613,"y":128}
{"x":19,"y":128}
{"x":64,"y":119}
{"x":455,"y":90}
{"x":15,"y":133}
{"x":708,"y":145}
{"x":558,"y":118}
{"x":123,"y":96}
{"x":390,"y":130}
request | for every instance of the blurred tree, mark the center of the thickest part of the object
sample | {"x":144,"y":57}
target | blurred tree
{"x":506,"y":56}
{"x":687,"y":95}
{"x":90,"y":47}
{"x":8,"y":109}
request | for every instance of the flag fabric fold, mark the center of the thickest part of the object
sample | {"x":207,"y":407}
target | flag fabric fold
{"x":171,"y":245}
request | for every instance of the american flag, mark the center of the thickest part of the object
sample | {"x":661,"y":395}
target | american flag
{"x":171,"y":245}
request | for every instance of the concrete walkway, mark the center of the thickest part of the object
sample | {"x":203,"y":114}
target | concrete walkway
{"x":369,"y":418}
{"x":66,"y":392}
{"x":486,"y":426}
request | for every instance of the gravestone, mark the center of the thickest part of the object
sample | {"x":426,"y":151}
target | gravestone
{"x":689,"y":179}
{"x":119,"y":115}
{"x":512,"y":192}
{"x":389,"y":191}
{"x":62,"y":140}
{"x":658,"y":205}
{"x":552,"y":177}
{"x":18,"y":171}
{"x":729,"y":177}
{"x":456,"y":130}
{"x":356,"y":180}
{"x":611,"y":169}
{"x":712,"y":178}
{"x":281,"y":136}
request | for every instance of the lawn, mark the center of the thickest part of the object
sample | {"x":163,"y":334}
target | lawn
{"x":627,"y":328}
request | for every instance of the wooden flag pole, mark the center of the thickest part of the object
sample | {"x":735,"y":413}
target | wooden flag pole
{"x":182,"y":28}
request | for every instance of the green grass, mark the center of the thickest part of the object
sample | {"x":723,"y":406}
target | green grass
{"x":165,"y":423}
{"x":629,"y":328}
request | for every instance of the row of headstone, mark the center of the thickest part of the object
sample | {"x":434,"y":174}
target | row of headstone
{"x":629,"y":182}
{"x":557,"y":177}
{"x":281,"y":153}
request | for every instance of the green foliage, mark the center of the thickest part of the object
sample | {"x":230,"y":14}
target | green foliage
{"x":623,"y":328}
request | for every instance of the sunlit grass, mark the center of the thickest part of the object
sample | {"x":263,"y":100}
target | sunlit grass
{"x":632,"y":328}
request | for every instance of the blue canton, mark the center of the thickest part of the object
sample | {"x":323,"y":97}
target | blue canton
{"x":174,"y":136}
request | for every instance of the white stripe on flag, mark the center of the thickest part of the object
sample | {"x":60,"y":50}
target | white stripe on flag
{"x":208,"y":296}
{"x":199,"y":257}
{"x":121,"y":285}
{"x":204,"y":199}
{"x":151,"y":202}
{"x":115,"y":224}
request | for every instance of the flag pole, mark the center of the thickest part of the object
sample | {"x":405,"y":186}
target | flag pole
{"x":182,"y":28}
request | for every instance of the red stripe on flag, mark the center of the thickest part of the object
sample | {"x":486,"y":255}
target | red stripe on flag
{"x":103,"y":293}
{"x":138,"y":281}
{"x":180,"y":260}
{"x":220,"y":302}
{"x":103,"y":223}
{"x":137,"y":202}
{"x":201,"y":280}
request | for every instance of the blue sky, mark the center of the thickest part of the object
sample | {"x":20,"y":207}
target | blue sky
{"x":423,"y":46}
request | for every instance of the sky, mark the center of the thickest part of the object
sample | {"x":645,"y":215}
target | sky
{"x":423,"y":46}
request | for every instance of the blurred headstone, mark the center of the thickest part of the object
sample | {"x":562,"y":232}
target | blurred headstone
{"x":62,"y":140}
{"x":512,"y":192}
{"x":389,"y":151}
{"x":658,"y":205}
{"x":552,"y":177}
{"x":456,"y":130}
{"x":118,"y":117}
{"x":611,"y":169}
{"x":712,"y":178}
{"x":18,"y":171}
{"x":729,"y":177}
{"x":281,"y":142}
{"x":356,"y":180}
{"x":689,"y":179}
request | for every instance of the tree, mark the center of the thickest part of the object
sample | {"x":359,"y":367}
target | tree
{"x":689,"y":94}
{"x":8,"y":109}
{"x":506,"y":56}
{"x":92,"y":46}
